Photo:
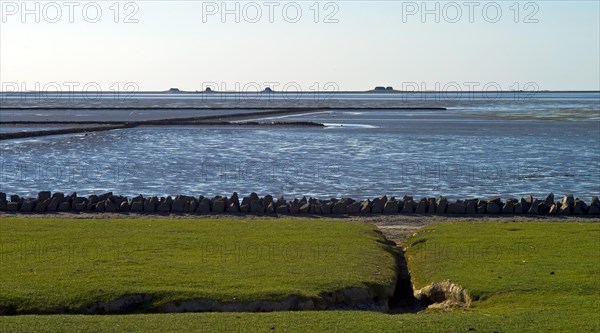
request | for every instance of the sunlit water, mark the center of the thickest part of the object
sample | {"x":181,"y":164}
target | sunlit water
{"x":471,"y":150}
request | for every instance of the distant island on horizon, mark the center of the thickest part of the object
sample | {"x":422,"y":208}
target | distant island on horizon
{"x":377,"y":90}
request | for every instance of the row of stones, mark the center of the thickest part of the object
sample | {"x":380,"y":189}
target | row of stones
{"x":48,"y":202}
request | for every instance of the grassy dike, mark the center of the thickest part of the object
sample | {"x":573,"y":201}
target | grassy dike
{"x":546,"y":273}
{"x":63,"y":265}
{"x":522,"y":277}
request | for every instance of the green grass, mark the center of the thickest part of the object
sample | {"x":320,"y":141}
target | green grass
{"x":493,"y":259}
{"x":325,"y":321}
{"x":66,"y":264}
{"x":527,"y":298}
{"x":549,"y":271}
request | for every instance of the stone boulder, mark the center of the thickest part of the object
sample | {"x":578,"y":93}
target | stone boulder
{"x":431,"y":206}
{"x":525,"y":205}
{"x":54,"y":202}
{"x":256,"y":207}
{"x":391,"y":207}
{"x":219,"y":204}
{"x":203,"y":206}
{"x":137,"y":206}
{"x":124,"y":206}
{"x":245,"y":205}
{"x":270,"y":209}
{"x":100,"y":206}
{"x":529,"y":200}
{"x":365,"y":207}
{"x":534,"y":208}
{"x":594,"y":208}
{"x":354,"y":208}
{"x":518,"y":208}
{"x":549,"y":200}
{"x":27,"y":205}
{"x":233,"y":205}
{"x":191,"y":206}
{"x":93,"y":199}
{"x":294,"y":207}
{"x":105,"y":196}
{"x":150,"y":205}
{"x":163,"y":207}
{"x":111,"y":206}
{"x":408,"y":206}
{"x":457,"y":207}
{"x":493,"y":208}
{"x":377,"y":206}
{"x":303,"y":201}
{"x":441,"y":205}
{"x":41,"y":206}
{"x":327,"y":207}
{"x":64,"y":206}
{"x":13,"y":206}
{"x":566,"y":205}
{"x":421,"y":207}
{"x":280,"y":201}
{"x":481,"y":206}
{"x":565,"y":208}
{"x":339,"y":208}
{"x":78,"y":203}
{"x":179,"y":204}
{"x":304,"y":207}
{"x":267,"y":200}
{"x":316,"y":207}
{"x":509,"y":207}
{"x":253,"y":196}
{"x":282,"y":209}
{"x":44,"y":195}
{"x":579,"y":207}
{"x":471,"y":207}
{"x":568,"y":200}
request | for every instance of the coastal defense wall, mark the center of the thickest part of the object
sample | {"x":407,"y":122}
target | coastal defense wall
{"x":254,"y":204}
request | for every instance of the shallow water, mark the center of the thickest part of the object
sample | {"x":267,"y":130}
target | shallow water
{"x":477,"y":148}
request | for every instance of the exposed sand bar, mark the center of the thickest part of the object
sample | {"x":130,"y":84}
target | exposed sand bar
{"x":215,"y":108}
{"x":20,"y":135}
{"x":127,"y":114}
{"x":110,"y":125}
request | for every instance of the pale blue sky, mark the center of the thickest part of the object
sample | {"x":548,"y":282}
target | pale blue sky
{"x":371,"y":44}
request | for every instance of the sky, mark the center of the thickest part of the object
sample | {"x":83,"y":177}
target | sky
{"x":299,"y":45}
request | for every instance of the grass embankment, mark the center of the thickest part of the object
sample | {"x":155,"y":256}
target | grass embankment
{"x":507,"y":268}
{"x":548,"y":273}
{"x":50,"y":264}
